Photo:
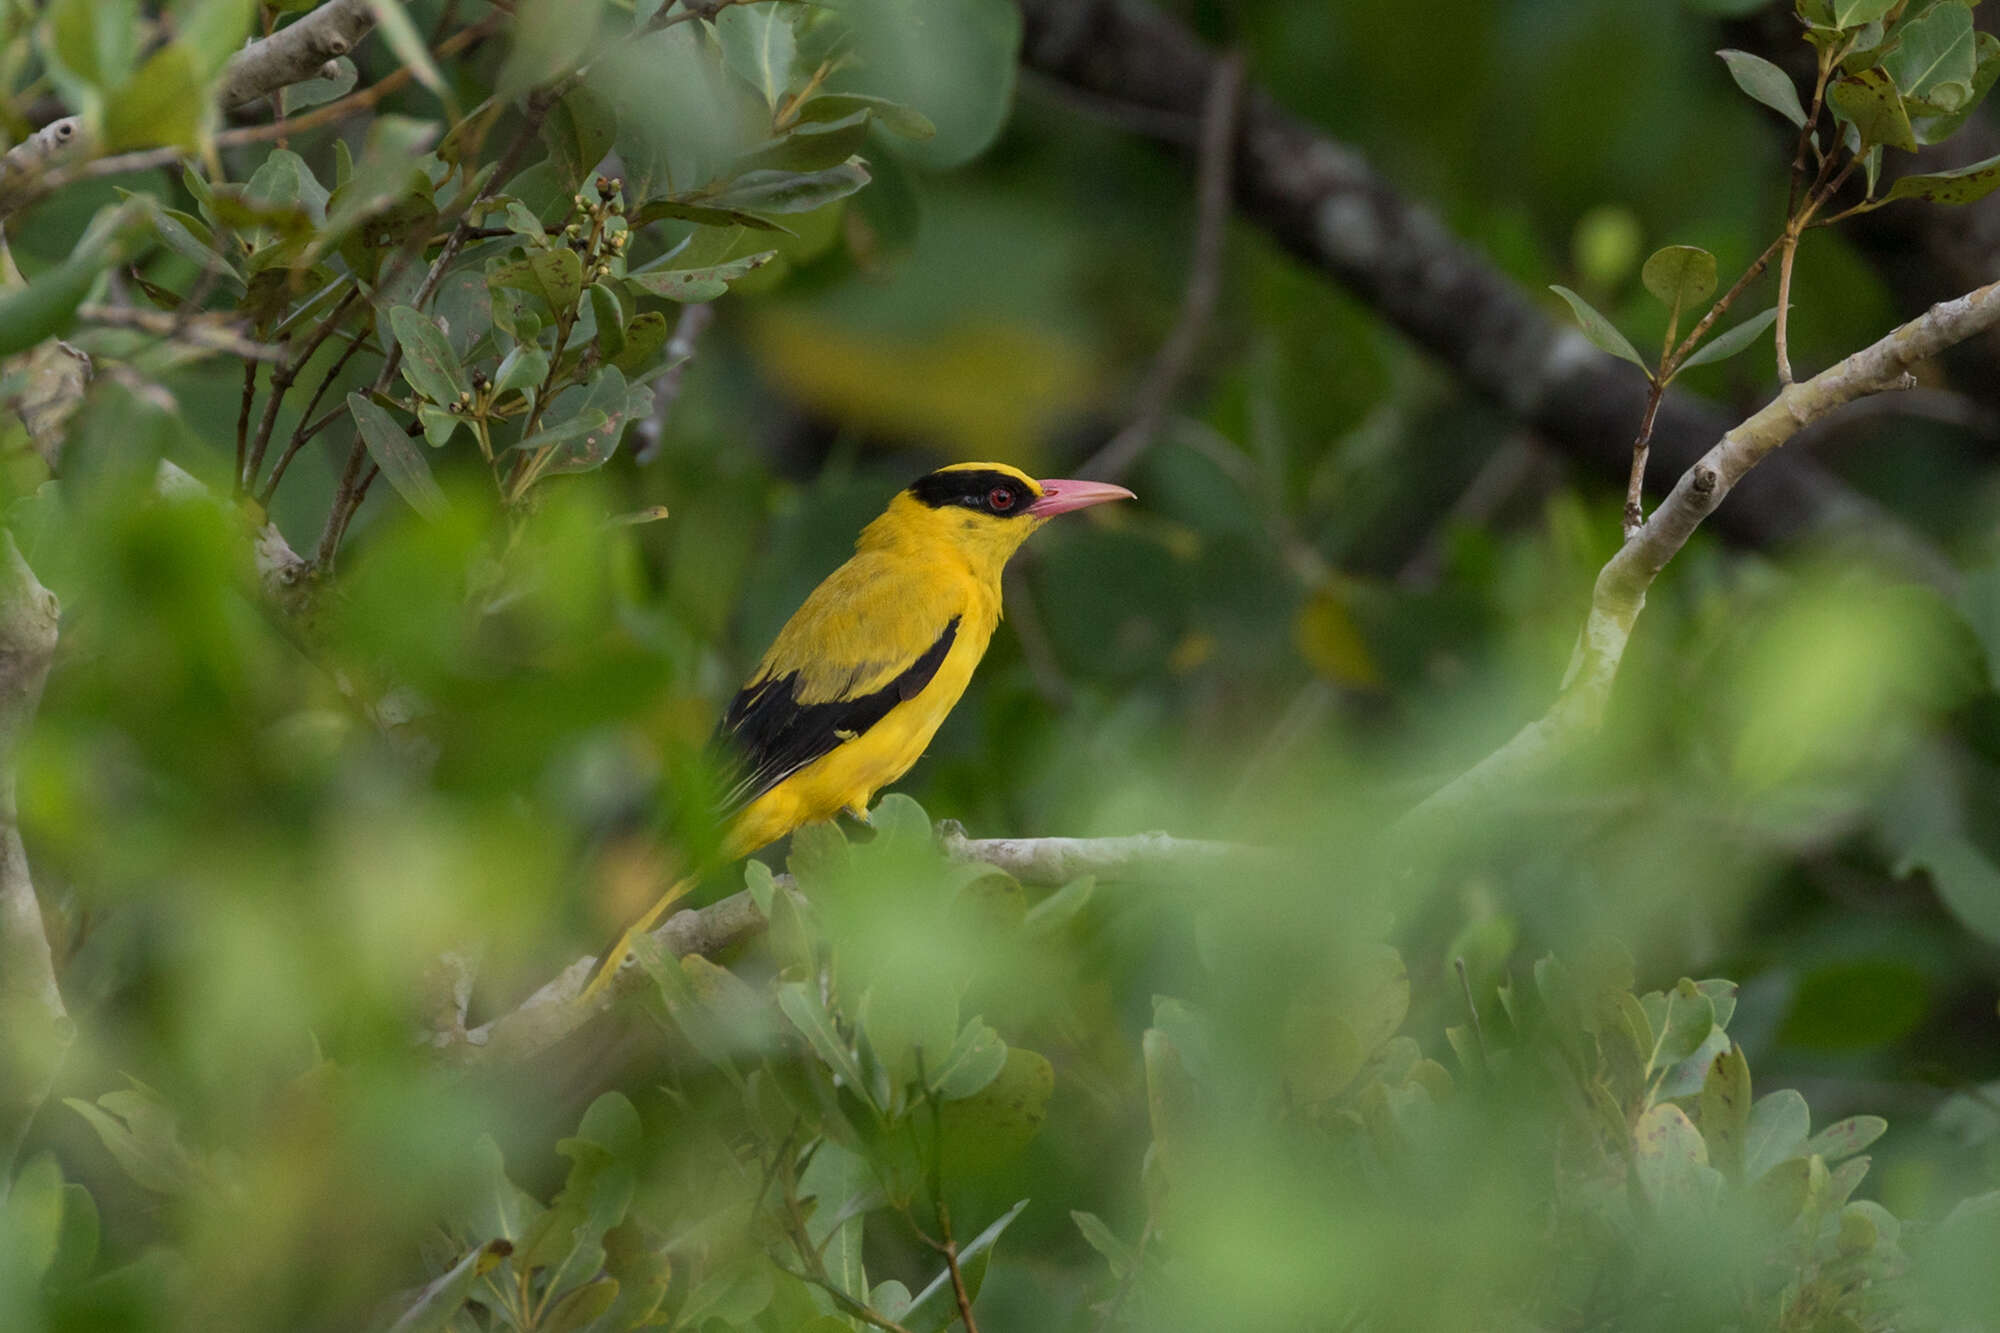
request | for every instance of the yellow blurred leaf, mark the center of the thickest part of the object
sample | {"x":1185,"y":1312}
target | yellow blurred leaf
{"x":1331,"y":643}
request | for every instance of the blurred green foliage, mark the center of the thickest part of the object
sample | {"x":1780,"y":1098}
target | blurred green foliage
{"x":1314,"y":1087}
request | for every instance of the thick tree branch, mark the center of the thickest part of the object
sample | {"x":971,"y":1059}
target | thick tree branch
{"x":1053,"y":862}
{"x":1620,"y":592}
{"x":35,"y":1029}
{"x":294,"y":53}
{"x":1324,"y":202}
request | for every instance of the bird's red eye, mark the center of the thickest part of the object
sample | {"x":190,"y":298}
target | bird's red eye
{"x":1000,"y":499}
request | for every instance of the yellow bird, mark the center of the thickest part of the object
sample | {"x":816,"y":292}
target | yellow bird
{"x":863,"y":674}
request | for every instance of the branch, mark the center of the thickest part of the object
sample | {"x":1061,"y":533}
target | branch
{"x":1220,"y":114}
{"x":35,"y":1028}
{"x":1053,"y":862}
{"x":1323,"y":201}
{"x":1620,"y":592}
{"x":559,"y":1008}
{"x":294,"y":53}
{"x":204,"y":333}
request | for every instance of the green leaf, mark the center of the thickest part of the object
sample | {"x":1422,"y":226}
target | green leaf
{"x":433,"y":1307}
{"x":907,"y":122}
{"x":800,"y":1003}
{"x":1963,"y":185}
{"x":140,"y":1133}
{"x":1602,"y":333}
{"x":1681,"y":276}
{"x":1776,"y":1131}
{"x":31,"y":1219}
{"x":580,"y":1307}
{"x":974,"y":1061}
{"x":429,"y":364}
{"x":1936,"y":55}
{"x":556,"y":276}
{"x":1854,"y":13}
{"x":397,"y":455}
{"x":1937,"y":128}
{"x":643,"y":339}
{"x":163,"y":104}
{"x":284,"y":180}
{"x":1689,"y":1017}
{"x":844,"y":1184}
{"x":1100,"y":1237}
{"x":703,"y":214}
{"x":1670,"y":1160}
{"x":787,"y":191}
{"x":407,"y":43}
{"x":1724,"y":1106}
{"x":759,"y":47}
{"x":691,"y":285}
{"x":986,"y":1129}
{"x":91,"y":45}
{"x":1869,"y":101}
{"x":1765,"y":82}
{"x":1966,"y":881}
{"x":588,"y":422}
{"x":813,"y":146}
{"x":955,"y":61}
{"x":1844,"y":1138}
{"x":610,"y":320}
{"x":522,"y":370}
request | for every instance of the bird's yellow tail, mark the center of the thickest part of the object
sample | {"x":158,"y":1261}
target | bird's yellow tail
{"x":621,"y":948}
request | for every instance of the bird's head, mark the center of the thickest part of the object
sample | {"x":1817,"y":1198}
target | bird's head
{"x":984,"y":510}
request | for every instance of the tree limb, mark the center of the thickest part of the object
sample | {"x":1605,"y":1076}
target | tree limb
{"x":294,"y":53}
{"x":35,"y":1028}
{"x":1323,"y":201}
{"x":559,"y":1008}
{"x":1620,"y":592}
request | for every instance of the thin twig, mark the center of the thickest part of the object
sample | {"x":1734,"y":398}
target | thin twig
{"x":208,"y":335}
{"x":1620,"y":592}
{"x":243,"y":420}
{"x":948,"y":1247}
{"x":1215,"y":186}
{"x":282,"y":379}
{"x":303,"y":432}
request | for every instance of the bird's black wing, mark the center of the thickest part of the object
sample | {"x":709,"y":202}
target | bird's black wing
{"x":767,"y":735}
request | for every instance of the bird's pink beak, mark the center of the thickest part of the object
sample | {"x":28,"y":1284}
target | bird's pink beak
{"x":1060,"y":495}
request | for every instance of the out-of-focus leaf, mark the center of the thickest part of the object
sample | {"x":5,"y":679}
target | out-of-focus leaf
{"x":163,"y":104}
{"x":1724,"y":1106}
{"x":974,"y":1061}
{"x":1937,"y":128}
{"x":759,"y":47}
{"x":643,"y":338}
{"x":898,"y":119}
{"x":812,"y":145}
{"x":411,"y":51}
{"x":984,"y":1130}
{"x":801,"y":1005}
{"x":787,"y":191}
{"x":398,"y":456}
{"x":1967,"y":882}
{"x":1603,"y":334}
{"x":1777,"y":1129}
{"x":955,"y":61}
{"x":431,"y":1310}
{"x":705,"y":214}
{"x":1670,"y":1159}
{"x":1766,"y":83}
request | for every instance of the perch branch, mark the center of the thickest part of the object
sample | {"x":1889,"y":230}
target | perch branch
{"x":559,"y":1008}
{"x":35,"y":1028}
{"x":1620,"y":592}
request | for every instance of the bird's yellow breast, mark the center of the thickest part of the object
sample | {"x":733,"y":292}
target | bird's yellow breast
{"x":847,"y":777}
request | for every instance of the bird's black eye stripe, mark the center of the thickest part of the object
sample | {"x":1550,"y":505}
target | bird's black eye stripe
{"x":989,"y":491}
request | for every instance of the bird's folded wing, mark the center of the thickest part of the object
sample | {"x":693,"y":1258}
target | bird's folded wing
{"x":871,"y":636}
